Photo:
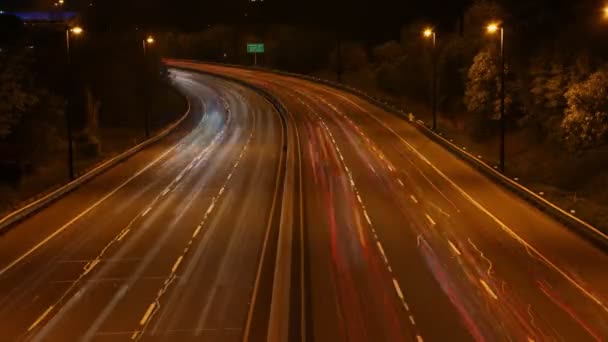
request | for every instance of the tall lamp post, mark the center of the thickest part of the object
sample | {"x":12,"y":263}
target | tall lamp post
{"x":145,"y":43}
{"x":494,"y":28}
{"x":429,"y":33}
{"x":69,"y":32}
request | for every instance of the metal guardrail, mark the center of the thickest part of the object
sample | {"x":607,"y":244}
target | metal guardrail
{"x":16,"y":216}
{"x":585,"y":229}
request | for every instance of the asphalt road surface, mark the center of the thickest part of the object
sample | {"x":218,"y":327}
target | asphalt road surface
{"x":164,"y":246}
{"x":378,"y":233}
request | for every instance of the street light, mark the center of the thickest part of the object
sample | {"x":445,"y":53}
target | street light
{"x":605,"y":11}
{"x":494,"y":28}
{"x":430,"y":33}
{"x":147,"y":41}
{"x":75,"y":31}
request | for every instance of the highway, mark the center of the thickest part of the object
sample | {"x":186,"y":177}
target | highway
{"x":165,"y":245}
{"x":404,"y":241}
{"x":334,"y":221}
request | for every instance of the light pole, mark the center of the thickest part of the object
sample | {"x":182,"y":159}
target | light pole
{"x":147,"y":41}
{"x":493,"y":28}
{"x":68,"y":113}
{"x":429,"y":33}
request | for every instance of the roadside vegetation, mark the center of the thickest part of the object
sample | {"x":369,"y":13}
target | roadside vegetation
{"x":110,"y":88}
{"x":556,"y":84}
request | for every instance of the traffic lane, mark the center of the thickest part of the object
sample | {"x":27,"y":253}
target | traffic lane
{"x":146,"y":253}
{"x":22,"y":236}
{"x":421,"y":304}
{"x":224,"y":264}
{"x":450,"y":317}
{"x":567,"y":322}
{"x":560,"y":244}
{"x":40,"y":279}
{"x":530,"y":293}
{"x":544,"y":290}
{"x":344,"y":254}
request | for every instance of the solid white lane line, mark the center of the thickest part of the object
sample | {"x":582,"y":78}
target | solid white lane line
{"x":44,"y":314}
{"x":147,"y":314}
{"x":488,"y":289}
{"x":430,"y":220}
{"x":177,"y":262}
{"x":84,"y":212}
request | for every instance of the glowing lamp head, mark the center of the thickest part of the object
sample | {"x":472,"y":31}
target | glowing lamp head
{"x":605,"y":12}
{"x":150,"y":40}
{"x":77,"y":30}
{"x":493,"y":28}
{"x":428,"y":32}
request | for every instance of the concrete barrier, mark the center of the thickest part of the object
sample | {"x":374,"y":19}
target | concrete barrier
{"x":14,"y":217}
{"x":585,"y":229}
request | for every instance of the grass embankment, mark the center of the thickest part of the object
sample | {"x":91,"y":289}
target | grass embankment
{"x":50,"y":172}
{"x":577,"y":183}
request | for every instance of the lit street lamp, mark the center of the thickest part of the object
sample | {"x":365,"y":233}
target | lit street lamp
{"x":429,"y":33}
{"x":494,"y":28}
{"x":74,"y":31}
{"x":147,"y":42}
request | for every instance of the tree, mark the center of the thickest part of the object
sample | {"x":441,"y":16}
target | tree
{"x":389,"y":52}
{"x":585,"y":123}
{"x":16,"y":97}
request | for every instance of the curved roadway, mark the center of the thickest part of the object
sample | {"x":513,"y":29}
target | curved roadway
{"x":378,"y":233}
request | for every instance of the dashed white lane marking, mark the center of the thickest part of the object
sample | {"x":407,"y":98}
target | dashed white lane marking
{"x":430,"y":220}
{"x":146,"y":212}
{"x":198,"y":229}
{"x":134,"y":335}
{"x":147,"y":314}
{"x":164,"y":192}
{"x":397,"y":288}
{"x":488,"y":289}
{"x":89,"y":267}
{"x":413,"y":198}
{"x":412,"y":320}
{"x":400,"y":182}
{"x":419,"y":338}
{"x":210,"y":209}
{"x":44,"y":314}
{"x":124,"y":232}
{"x":454,"y":248}
{"x":381,"y":251}
{"x":367,"y":217}
{"x":177,"y":262}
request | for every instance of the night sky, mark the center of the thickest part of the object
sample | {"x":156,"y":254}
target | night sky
{"x":368,"y":18}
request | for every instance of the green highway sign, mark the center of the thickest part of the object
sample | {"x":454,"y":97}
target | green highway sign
{"x":255,"y":48}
